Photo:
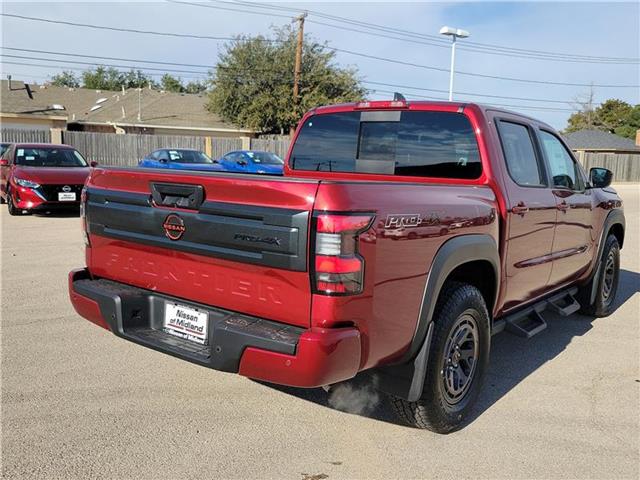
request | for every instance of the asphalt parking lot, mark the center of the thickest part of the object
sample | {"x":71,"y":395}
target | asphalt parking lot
{"x":79,"y":403}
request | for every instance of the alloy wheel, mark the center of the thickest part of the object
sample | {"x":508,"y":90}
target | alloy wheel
{"x":460,"y":357}
{"x":608,"y":281}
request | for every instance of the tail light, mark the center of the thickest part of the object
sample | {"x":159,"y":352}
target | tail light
{"x":83,"y":216}
{"x":338,"y":268}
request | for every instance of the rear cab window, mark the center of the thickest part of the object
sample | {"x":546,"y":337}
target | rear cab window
{"x":416,"y":143}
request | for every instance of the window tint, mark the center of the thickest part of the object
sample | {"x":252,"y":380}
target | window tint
{"x":49,"y":157}
{"x":520,"y":154}
{"x":265,"y":158}
{"x":189,"y":156}
{"x":421,"y":144}
{"x":564,"y":169}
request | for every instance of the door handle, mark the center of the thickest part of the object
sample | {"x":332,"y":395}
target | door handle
{"x":563,"y":207}
{"x":520,"y":209}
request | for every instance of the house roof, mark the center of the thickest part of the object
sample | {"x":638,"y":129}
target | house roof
{"x":83,"y":105}
{"x":16,"y":100}
{"x":598,"y":140}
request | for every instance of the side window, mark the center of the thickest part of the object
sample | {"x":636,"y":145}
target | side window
{"x":163,"y":155}
{"x":520,"y":154}
{"x":565,"y":171}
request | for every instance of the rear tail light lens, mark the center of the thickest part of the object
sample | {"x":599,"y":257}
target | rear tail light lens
{"x":338,"y":268}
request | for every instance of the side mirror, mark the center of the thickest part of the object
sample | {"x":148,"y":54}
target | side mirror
{"x":4,"y":162}
{"x":93,"y":164}
{"x":242,"y":163}
{"x":162,"y":160}
{"x":600,"y":177}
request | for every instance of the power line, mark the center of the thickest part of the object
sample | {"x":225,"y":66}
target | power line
{"x":117,"y":29}
{"x":40,"y":65}
{"x":92,"y":64}
{"x":350,"y":52}
{"x":481,"y":75}
{"x":400,"y":62}
{"x":525,"y":107}
{"x":466,"y":93}
{"x":107,"y":58}
{"x":439,"y":39}
{"x":211,"y":67}
{"x":473,"y":49}
{"x":228,"y":9}
{"x":121,"y":59}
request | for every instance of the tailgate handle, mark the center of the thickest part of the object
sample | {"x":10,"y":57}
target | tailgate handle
{"x":177,"y":196}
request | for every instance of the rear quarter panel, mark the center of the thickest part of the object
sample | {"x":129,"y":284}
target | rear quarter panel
{"x":397,"y":260}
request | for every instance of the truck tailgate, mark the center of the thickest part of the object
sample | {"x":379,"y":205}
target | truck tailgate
{"x":237,"y":242}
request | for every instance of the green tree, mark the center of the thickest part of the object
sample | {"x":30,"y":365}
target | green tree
{"x":613,"y":115}
{"x":195,"y":87}
{"x":632,"y":124}
{"x":252,"y":85}
{"x":103,"y":78}
{"x":170,"y":83}
{"x":65,"y":79}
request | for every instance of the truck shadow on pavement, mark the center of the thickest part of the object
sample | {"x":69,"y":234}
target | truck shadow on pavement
{"x":512,"y":360}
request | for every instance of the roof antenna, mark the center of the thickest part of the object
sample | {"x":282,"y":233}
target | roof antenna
{"x":398,"y":97}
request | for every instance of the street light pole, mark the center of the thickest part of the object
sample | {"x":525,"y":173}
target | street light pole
{"x":454,"y":33}
{"x":453,"y":67}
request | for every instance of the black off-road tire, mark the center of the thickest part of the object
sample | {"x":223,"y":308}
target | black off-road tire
{"x":13,"y":211}
{"x":606,"y":278}
{"x":458,"y":305}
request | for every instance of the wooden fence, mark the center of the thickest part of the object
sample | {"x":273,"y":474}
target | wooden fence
{"x":625,"y":166}
{"x":128,"y":149}
{"x":277,"y":146}
{"x":17,"y":135}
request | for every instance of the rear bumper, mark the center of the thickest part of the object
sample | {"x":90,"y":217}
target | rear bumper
{"x":31,"y":199}
{"x":251,"y":346}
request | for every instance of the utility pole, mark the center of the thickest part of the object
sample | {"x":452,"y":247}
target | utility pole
{"x":298,"y":66}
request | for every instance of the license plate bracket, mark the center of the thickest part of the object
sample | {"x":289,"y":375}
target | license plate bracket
{"x":186,"y":322}
{"x":66,"y":196}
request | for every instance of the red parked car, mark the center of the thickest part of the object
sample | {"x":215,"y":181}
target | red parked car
{"x":37,"y":177}
{"x":301,"y":280}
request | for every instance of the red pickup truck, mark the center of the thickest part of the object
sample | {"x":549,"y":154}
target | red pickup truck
{"x":402,"y":236}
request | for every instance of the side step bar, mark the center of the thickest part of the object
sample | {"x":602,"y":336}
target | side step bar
{"x":529,"y":321}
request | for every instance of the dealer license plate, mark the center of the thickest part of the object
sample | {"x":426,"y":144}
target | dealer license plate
{"x":186,"y":322}
{"x":67,"y":197}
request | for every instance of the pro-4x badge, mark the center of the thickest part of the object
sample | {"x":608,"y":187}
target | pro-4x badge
{"x":403,"y":221}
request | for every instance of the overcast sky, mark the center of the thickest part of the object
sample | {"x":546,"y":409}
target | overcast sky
{"x":575,"y":28}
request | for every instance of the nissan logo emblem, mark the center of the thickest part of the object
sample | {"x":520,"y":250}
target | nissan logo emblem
{"x":66,"y":188}
{"x":173,"y":226}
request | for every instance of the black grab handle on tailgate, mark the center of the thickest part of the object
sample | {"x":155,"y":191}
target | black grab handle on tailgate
{"x":175,"y":195}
